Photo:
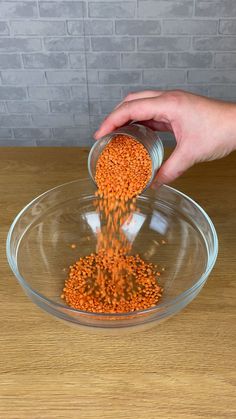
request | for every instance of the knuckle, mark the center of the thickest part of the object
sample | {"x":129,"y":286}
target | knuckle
{"x":126,"y":104}
{"x":175,"y":97}
{"x":129,"y":97}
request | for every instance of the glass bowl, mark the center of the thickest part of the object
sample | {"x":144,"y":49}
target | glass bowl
{"x":61,"y":225}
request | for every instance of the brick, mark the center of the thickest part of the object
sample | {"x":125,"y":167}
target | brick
{"x":71,"y":133}
{"x":17,"y":143}
{"x":4,"y":28}
{"x":212,"y":76}
{"x":164,"y":76}
{"x":96,"y":120}
{"x":118,"y":9}
{"x":225,"y":60}
{"x":90,"y":27}
{"x":113,"y":44}
{"x":5,"y":133}
{"x":165,"y":8}
{"x":228,"y":27}
{"x":108,"y":105}
{"x":103,"y":60}
{"x":189,"y":59}
{"x":104,"y":92}
{"x":19,"y":44}
{"x":78,"y":43}
{"x":56,"y":143}
{"x":2,"y":107}
{"x":62,"y":9}
{"x":14,"y":121}
{"x":215,"y":8}
{"x":77,"y":60}
{"x":36,"y":133}
{"x":79,"y":92}
{"x":92,"y":76}
{"x":163,"y":43}
{"x":69,"y":106}
{"x":23,"y":77}
{"x":18,"y":9}
{"x":223,"y":91}
{"x":94,"y":107}
{"x":82,"y":119}
{"x":75,"y":27}
{"x":10,"y":61}
{"x":189,"y":27}
{"x":45,"y":60}
{"x":59,"y":120}
{"x":38,"y":27}
{"x":119,"y":77}
{"x":20,"y":106}
{"x":49,"y":92}
{"x":138,"y":27}
{"x":98,"y":27}
{"x":86,"y":140}
{"x":62,"y":143}
{"x":216,"y":43}
{"x":143,"y":60}
{"x":11,"y":93}
{"x":66,"y":77}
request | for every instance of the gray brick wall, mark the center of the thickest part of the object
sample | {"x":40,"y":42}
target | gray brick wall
{"x":65,"y":63}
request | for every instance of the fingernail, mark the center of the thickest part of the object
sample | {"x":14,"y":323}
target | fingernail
{"x":96,"y":134}
{"x":156,"y":185}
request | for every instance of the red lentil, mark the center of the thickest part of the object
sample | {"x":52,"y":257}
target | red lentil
{"x":112,"y":280}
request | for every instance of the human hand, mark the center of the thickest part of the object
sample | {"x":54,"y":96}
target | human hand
{"x":205,"y":129}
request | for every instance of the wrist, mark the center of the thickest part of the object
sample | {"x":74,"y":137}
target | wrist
{"x":229,"y":125}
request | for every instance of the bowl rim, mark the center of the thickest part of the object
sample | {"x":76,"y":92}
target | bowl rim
{"x":159,"y":307}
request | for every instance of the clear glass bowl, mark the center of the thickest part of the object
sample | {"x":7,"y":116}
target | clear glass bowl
{"x":169,"y":229}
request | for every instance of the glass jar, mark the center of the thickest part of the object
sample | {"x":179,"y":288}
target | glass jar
{"x":146,"y":136}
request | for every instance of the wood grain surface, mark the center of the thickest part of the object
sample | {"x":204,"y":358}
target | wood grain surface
{"x":183,"y":368}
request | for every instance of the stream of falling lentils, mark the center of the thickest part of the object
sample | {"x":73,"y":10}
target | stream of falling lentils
{"x":112,"y":279}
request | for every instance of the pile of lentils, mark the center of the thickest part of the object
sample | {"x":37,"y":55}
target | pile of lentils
{"x":112,"y":280}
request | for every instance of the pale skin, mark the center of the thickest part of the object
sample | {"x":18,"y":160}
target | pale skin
{"x":205,"y":129}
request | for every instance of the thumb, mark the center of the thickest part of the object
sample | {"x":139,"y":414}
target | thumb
{"x":175,"y":166}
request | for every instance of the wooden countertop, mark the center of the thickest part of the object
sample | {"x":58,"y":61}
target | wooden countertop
{"x":183,"y":368}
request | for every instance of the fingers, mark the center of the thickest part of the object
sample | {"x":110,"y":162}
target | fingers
{"x":138,"y":110}
{"x":144,"y":94}
{"x":177,"y":163}
{"x":157,"y":126}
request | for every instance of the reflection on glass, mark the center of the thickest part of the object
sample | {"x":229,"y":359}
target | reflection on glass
{"x":159,"y":223}
{"x":132,"y":227}
{"x":93,"y":221}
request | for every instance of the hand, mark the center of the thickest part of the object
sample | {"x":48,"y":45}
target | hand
{"x":205,"y":129}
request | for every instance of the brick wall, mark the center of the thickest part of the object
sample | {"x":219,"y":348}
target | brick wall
{"x":64,"y":64}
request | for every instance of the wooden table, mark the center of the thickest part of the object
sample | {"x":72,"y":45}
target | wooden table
{"x":184,"y":368}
